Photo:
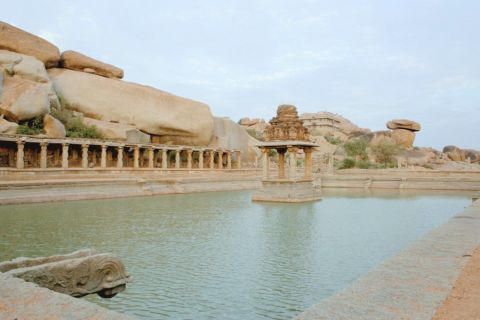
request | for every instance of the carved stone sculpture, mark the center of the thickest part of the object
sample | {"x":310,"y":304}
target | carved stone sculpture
{"x":286,"y":126}
{"x":103,"y":274}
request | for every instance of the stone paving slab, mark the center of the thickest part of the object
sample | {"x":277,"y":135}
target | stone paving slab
{"x":412,"y":284}
{"x":22,"y":300}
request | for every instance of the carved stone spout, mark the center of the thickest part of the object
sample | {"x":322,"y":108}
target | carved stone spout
{"x":103,"y":274}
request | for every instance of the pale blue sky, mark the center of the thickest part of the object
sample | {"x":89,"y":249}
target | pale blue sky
{"x":370,"y":61}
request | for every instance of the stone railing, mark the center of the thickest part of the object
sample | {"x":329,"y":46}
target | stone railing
{"x":22,"y":152}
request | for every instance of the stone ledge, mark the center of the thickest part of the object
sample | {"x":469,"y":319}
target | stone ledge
{"x":24,"y":300}
{"x":412,"y":284}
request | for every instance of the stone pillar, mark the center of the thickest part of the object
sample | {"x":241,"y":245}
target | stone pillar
{"x":266,"y":163}
{"x":85,"y":156}
{"x":229,"y":159}
{"x":120,"y":157}
{"x":103,"y":159}
{"x":212,"y":159}
{"x":64,"y":155}
{"x":20,"y":154}
{"x":308,"y":163}
{"x":189,"y":158}
{"x":136,"y":156}
{"x":150,"y":157}
{"x":164,"y":159}
{"x":177,"y":158}
{"x":292,"y":172}
{"x":239,"y":159}
{"x":220,"y":160}
{"x":200,"y":159}
{"x":281,"y":163}
{"x":43,"y":154}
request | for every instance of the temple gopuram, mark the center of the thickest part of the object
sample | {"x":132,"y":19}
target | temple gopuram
{"x":286,"y":136}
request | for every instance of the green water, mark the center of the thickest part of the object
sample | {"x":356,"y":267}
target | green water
{"x":220,"y":256}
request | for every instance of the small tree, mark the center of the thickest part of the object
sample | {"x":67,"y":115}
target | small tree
{"x":357,"y":149}
{"x":385,"y":151}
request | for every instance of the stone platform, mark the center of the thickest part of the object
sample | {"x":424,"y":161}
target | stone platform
{"x":285,"y":190}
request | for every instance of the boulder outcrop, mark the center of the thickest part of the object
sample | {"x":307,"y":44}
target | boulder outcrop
{"x":76,"y":61}
{"x":53,"y":128}
{"x":172,"y":119}
{"x":454,"y":153}
{"x":17,"y":40}
{"x":403,"y":124}
{"x":330,"y":124}
{"x":403,"y":137}
{"x":403,"y":131}
{"x":25,"y":89}
{"x":7,"y":126}
{"x":230,"y":135}
{"x":110,"y":130}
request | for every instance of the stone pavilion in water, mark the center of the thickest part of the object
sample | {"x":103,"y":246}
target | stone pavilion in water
{"x":288,"y":137}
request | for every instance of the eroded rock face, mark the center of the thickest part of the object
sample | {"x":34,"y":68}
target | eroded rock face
{"x":17,"y":40}
{"x":330,"y":124}
{"x":53,"y":128}
{"x":250,"y":122}
{"x":403,"y":137}
{"x":454,"y":153}
{"x":76,"y":61}
{"x":137,"y":136}
{"x":24,"y":99}
{"x":110,"y":130}
{"x":403,"y":124}
{"x":7,"y":126}
{"x":25,"y":89}
{"x":230,"y":135}
{"x":172,"y":119}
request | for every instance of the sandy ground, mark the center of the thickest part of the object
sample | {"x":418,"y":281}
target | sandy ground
{"x":463,"y":302}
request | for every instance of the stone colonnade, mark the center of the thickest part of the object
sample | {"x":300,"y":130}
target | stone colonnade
{"x":292,"y":162}
{"x":80,"y":153}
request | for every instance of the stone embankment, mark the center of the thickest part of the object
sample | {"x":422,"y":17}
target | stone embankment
{"x":412,"y":284}
{"x":402,"y":179}
{"x":29,"y":186}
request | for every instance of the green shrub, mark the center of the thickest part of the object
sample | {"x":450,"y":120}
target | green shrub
{"x":75,"y":127}
{"x":333,"y":140}
{"x":347,"y":163}
{"x":356,"y":148}
{"x":363,"y":164}
{"x":384,"y":153}
{"x":31,"y":127}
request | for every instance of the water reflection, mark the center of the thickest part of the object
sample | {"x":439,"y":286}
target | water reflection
{"x":220,"y":256}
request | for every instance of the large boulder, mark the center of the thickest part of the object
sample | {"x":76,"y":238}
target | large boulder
{"x":403,"y":124}
{"x":25,"y":89}
{"x":76,"y":61}
{"x":23,"y":99}
{"x":110,"y":130}
{"x":137,"y":136}
{"x":403,"y":137}
{"x":23,"y":66}
{"x":173,"y":119}
{"x":17,"y":40}
{"x":230,"y":135}
{"x":454,"y":153}
{"x":7,"y":126}
{"x":473,"y":155}
{"x":53,"y":128}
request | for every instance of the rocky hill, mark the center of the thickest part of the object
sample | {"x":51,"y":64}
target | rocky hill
{"x":44,"y":91}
